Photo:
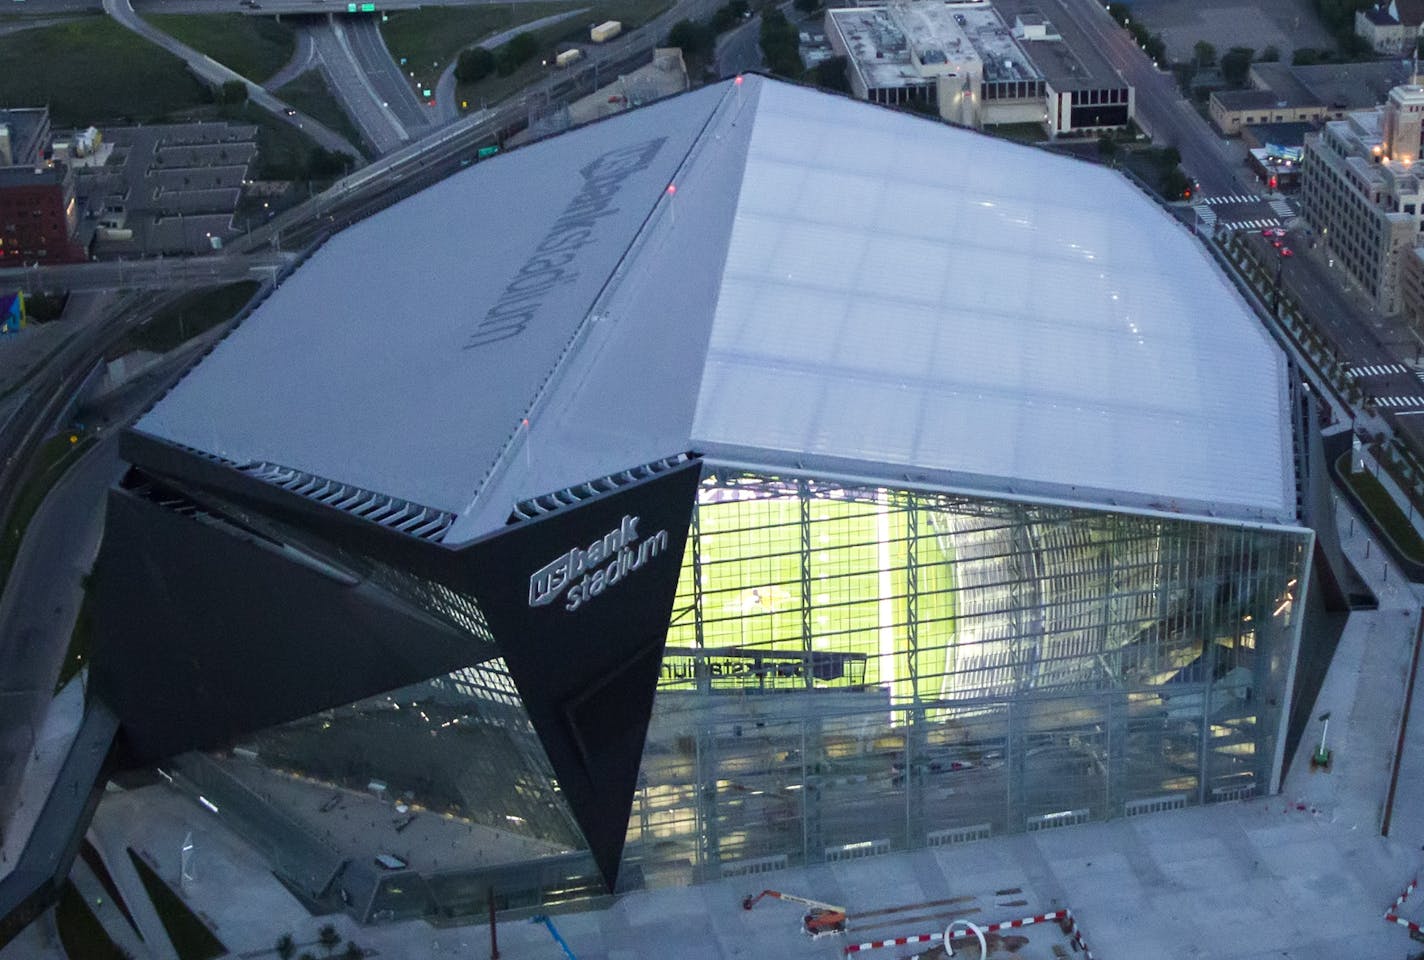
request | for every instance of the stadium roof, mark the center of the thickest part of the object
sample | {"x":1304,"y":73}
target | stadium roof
{"x":773,"y":277}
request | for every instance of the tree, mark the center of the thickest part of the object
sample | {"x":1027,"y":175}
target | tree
{"x":474,"y":65}
{"x":1156,"y":48}
{"x":1236,"y":64}
{"x":831,"y":75}
{"x":779,"y":44}
{"x":328,"y":937}
{"x":1107,"y":147}
{"x":1175,"y":184}
{"x":514,"y":54}
{"x":1269,"y":55}
{"x":353,"y":952}
{"x":286,"y":947}
{"x":1306,"y":56}
{"x":729,"y":15}
{"x":1204,"y":54}
{"x":1169,"y":157}
{"x":695,"y":39}
{"x":807,"y":6}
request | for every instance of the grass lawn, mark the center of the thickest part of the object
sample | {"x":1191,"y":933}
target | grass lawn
{"x":80,"y":931}
{"x":1018,"y":132}
{"x":310,"y":94}
{"x":94,"y":70}
{"x":190,"y":936}
{"x":195,"y":313}
{"x":431,"y":37}
{"x":1385,"y":510}
{"x":436,"y":35}
{"x":751,"y":585}
{"x":255,"y":47}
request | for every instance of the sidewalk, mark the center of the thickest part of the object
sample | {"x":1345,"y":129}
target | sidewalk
{"x":51,"y":746}
{"x":1305,"y":874}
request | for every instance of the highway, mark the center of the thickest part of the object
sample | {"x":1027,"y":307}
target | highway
{"x":304,"y":58}
{"x":363,"y":36}
{"x":208,"y":69}
{"x":372,"y":115}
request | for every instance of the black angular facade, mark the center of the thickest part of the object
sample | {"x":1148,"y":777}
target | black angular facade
{"x":227,"y":607}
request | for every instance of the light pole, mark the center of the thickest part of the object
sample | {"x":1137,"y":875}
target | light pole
{"x":949,"y":932}
{"x":1322,"y":753}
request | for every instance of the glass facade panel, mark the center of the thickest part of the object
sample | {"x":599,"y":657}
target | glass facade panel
{"x":856,"y":669}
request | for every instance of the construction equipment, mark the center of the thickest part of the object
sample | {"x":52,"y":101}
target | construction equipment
{"x":553,"y":932}
{"x":822,"y":918}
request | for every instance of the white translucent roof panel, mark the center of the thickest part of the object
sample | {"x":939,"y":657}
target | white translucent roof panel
{"x":908,"y":294}
{"x":404,"y":355}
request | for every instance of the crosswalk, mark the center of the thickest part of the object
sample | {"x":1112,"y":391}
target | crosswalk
{"x":1415,"y":401}
{"x":1207,"y":216}
{"x":1249,"y":224}
{"x":1281,"y":209}
{"x":1380,"y":370}
{"x":1233,"y":198}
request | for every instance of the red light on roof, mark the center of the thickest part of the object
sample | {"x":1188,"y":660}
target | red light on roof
{"x":737,"y":82}
{"x":672,"y":189}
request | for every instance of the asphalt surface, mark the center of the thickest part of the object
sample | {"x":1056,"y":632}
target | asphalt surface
{"x":208,"y":69}
{"x":304,"y":58}
{"x":370,"y":112}
{"x":739,"y":49}
{"x":1160,"y":108}
{"x":159,"y":272}
{"x":363,"y":36}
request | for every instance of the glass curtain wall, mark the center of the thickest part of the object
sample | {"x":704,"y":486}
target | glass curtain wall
{"x":851,"y":670}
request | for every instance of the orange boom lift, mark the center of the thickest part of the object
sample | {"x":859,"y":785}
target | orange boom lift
{"x":822,"y":918}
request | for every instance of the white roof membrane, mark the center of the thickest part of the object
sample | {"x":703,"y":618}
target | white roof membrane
{"x":906,"y":294}
{"x":831,"y":285}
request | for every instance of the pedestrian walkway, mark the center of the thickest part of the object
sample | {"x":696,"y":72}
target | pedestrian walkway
{"x":1282,"y":209}
{"x":1379,"y":370}
{"x":1414,"y":401}
{"x":1231,"y":198}
{"x":1250,"y":224}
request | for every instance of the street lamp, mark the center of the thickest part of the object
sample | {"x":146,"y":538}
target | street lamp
{"x":1322,"y":753}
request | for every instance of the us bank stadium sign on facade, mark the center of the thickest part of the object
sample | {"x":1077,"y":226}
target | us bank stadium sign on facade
{"x":586,"y":572}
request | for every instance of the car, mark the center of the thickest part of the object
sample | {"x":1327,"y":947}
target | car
{"x":1287,"y":252}
{"x":1278,"y":231}
{"x":1267,"y":233}
{"x":1276,"y":244}
{"x":291,"y":111}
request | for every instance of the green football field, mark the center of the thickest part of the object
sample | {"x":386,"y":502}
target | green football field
{"x":858,"y":552}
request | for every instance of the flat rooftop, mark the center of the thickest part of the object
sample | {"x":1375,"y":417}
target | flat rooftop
{"x":28,"y":129}
{"x":877,"y":46}
{"x":1069,"y":63}
{"x":1004,"y":58}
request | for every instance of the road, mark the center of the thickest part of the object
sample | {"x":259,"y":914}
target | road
{"x":448,"y":111}
{"x":370,"y":112}
{"x":1160,"y":108}
{"x":739,"y":49}
{"x":156,"y":272}
{"x":304,"y":58}
{"x":208,"y":69}
{"x":363,"y":36}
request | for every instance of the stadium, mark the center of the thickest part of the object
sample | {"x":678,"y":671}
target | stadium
{"x":757,"y":478}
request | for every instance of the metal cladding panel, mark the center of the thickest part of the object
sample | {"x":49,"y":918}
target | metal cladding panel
{"x":402,"y":357}
{"x":579,"y":604}
{"x":909,"y":295}
{"x":203,"y":634}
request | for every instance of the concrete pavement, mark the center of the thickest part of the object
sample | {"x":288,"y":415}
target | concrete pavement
{"x":1304,"y":874}
{"x":38,"y":610}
